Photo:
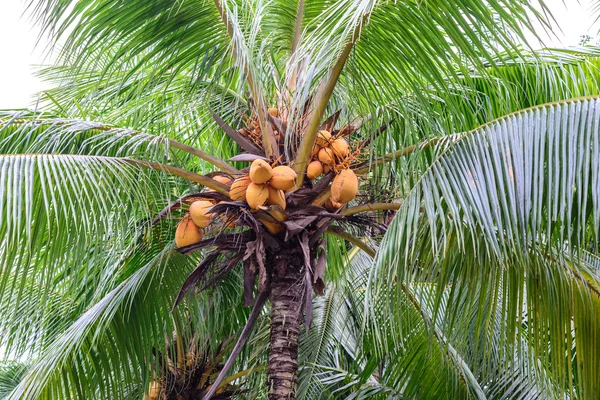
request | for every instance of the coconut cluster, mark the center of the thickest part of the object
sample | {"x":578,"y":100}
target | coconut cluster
{"x":190,"y":228}
{"x":263,"y":185}
{"x":327,"y":153}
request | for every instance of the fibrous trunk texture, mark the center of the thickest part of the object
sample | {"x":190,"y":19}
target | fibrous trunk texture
{"x":287,"y":290}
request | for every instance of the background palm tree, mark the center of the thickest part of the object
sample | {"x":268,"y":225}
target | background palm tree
{"x":485,"y":285}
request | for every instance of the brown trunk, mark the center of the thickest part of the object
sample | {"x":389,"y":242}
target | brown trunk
{"x":286,"y":313}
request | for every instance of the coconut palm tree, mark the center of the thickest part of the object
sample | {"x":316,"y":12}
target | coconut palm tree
{"x":485,"y":283}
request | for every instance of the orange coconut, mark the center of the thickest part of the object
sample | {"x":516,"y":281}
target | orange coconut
{"x":333,"y":205}
{"x":340,"y":148}
{"x":326,"y":156}
{"x":315,"y":151}
{"x":260,"y":171}
{"x":187,"y":232}
{"x":257,"y":195}
{"x":199,"y":211}
{"x":314,"y":170}
{"x":323,"y":138}
{"x":276,"y":197}
{"x":225,"y":180}
{"x":283,"y":178}
{"x":237,"y":192}
{"x":344,"y":187}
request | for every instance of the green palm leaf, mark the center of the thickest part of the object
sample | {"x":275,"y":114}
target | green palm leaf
{"x":501,"y":224}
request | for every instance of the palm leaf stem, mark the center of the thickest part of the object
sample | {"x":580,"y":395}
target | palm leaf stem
{"x":371,"y":207}
{"x":216,"y":161}
{"x":295,"y":41}
{"x":182,"y":173}
{"x":321,"y":100}
{"x":323,"y":197}
{"x":398,"y":154}
{"x":334,"y":231}
{"x":261,"y":299}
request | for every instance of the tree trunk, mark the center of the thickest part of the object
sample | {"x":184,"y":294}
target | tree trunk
{"x":286,"y":312}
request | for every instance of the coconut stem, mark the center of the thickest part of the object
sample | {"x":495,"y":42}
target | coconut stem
{"x":183,"y":173}
{"x":216,"y":161}
{"x":321,"y":101}
{"x":352,"y":239}
{"x":371,"y":207}
{"x":295,"y":41}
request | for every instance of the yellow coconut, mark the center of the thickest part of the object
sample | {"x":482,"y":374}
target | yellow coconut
{"x":260,"y":171}
{"x":326,"y":156}
{"x":323,"y":138}
{"x":225,"y":180}
{"x":187,"y":232}
{"x":270,"y":224}
{"x":326,"y":169}
{"x":276,"y":197}
{"x":237,"y":192}
{"x":273,"y":227}
{"x":199,"y":213}
{"x":344,"y":186}
{"x":315,"y":151}
{"x":283,"y":178}
{"x":333,"y":205}
{"x":257,"y":195}
{"x":340,"y":148}
{"x":314,"y":170}
{"x":273,"y":112}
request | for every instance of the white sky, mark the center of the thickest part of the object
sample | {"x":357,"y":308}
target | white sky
{"x":19,"y":54}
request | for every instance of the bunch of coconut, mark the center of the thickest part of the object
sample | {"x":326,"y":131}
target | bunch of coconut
{"x":190,"y":229}
{"x":264,"y":185}
{"x":328,"y":154}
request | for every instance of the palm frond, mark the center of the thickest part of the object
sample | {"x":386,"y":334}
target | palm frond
{"x":61,"y":218}
{"x":501,"y":218}
{"x":11,"y":374}
{"x":27,"y":133}
{"x":119,"y":342}
{"x":507,"y":85}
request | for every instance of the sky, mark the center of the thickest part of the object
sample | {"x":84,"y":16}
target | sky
{"x":21,"y":52}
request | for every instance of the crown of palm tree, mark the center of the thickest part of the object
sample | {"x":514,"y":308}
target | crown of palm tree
{"x":486,"y":283}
